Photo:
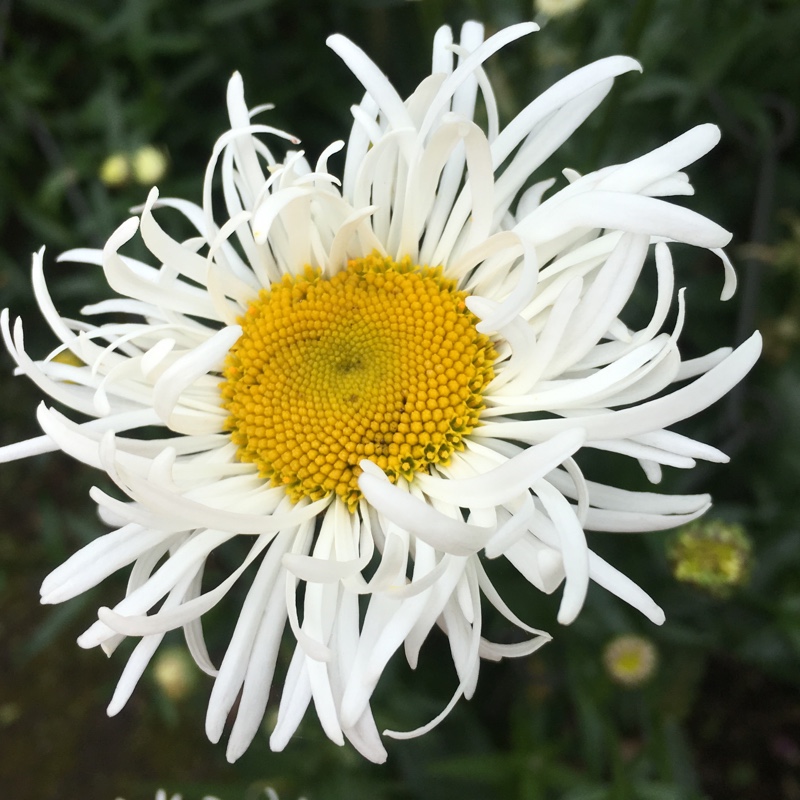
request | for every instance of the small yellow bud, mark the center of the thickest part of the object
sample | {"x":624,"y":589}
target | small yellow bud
{"x":712,"y":555}
{"x":630,"y":660}
{"x":174,"y":673}
{"x":115,"y":170}
{"x":555,"y":8}
{"x":149,"y":165}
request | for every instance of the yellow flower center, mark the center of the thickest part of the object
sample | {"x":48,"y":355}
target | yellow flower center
{"x":630,"y":659}
{"x":381,"y":361}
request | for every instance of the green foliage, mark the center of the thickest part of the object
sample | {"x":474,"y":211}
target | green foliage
{"x":80,"y":81}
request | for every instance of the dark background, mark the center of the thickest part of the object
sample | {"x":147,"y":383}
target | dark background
{"x":720,"y":718}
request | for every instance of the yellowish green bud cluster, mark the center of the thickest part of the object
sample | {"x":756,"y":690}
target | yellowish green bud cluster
{"x":713,"y":555}
{"x":147,"y":166}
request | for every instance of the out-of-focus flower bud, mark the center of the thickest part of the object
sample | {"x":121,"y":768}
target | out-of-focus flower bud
{"x":115,"y":170}
{"x":149,"y":165}
{"x":713,"y":555}
{"x":630,"y":660}
{"x":174,"y":673}
{"x":555,"y":8}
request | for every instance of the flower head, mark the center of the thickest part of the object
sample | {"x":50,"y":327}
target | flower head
{"x":630,"y":660}
{"x":268,"y":794}
{"x":379,"y":382}
{"x":162,"y":795}
{"x":115,"y":170}
{"x":148,"y":164}
{"x":713,"y":555}
{"x":174,"y":673}
{"x":555,"y":8}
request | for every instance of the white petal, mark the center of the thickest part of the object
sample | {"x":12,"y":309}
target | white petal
{"x":646,"y":417}
{"x":574,"y":550}
{"x":418,"y":517}
{"x":506,"y":481}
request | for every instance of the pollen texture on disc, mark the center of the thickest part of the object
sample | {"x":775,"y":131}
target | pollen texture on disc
{"x":381,"y":361}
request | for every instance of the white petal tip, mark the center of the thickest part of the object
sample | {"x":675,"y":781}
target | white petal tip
{"x":335,"y":40}
{"x":754,"y":343}
{"x":214,"y":728}
{"x":50,"y":599}
{"x":114,"y":708}
{"x":233,"y":754}
{"x":377,"y":756}
{"x":86,"y":642}
{"x":567,"y":617}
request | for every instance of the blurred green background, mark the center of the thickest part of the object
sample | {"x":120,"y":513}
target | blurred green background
{"x":720,"y":715}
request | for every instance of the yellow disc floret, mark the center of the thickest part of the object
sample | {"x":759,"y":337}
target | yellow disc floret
{"x":381,"y":361}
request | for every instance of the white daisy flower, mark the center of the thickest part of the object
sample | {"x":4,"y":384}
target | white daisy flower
{"x":379,"y":383}
{"x":268,"y":794}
